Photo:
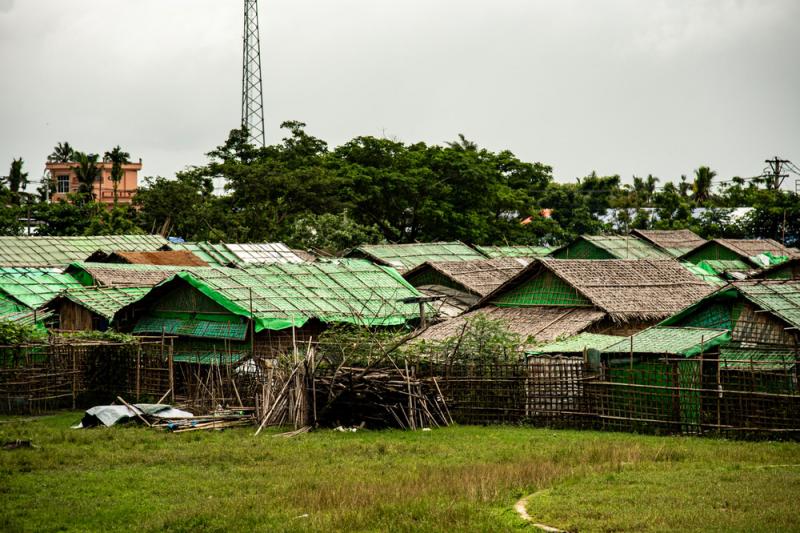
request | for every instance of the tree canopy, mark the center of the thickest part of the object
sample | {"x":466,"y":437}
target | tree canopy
{"x":369,"y":189}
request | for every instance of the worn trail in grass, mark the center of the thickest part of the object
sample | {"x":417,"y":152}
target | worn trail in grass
{"x":460,"y":478}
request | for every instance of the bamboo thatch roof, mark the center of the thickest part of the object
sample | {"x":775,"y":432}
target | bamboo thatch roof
{"x":535,"y":323}
{"x":161,"y":257}
{"x":479,"y":277}
{"x":674,"y":242}
{"x":122,"y":275}
{"x":752,"y":247}
{"x":627,"y":290}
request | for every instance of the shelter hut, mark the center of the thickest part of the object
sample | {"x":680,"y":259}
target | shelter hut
{"x":404,"y":257}
{"x":664,"y":370}
{"x":460,"y":284}
{"x":737,"y":258}
{"x":223,"y":254}
{"x":268,"y":310}
{"x":61,"y":251}
{"x":91,"y":308}
{"x":554,"y":298}
{"x":675,"y":242}
{"x":757,"y":312}
{"x":161,"y":257}
{"x":609,"y":247}
{"x":521,"y":251}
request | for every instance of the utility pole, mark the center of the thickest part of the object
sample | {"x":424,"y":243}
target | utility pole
{"x":252,"y":98}
{"x":775,"y":179}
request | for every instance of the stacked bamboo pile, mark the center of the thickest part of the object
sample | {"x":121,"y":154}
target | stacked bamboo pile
{"x":383,"y":397}
{"x":283,"y":398}
{"x":217,"y":420}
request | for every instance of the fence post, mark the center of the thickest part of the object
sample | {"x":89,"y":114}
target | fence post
{"x":138,"y":369}
{"x":171,"y":374}
{"x":74,"y":376}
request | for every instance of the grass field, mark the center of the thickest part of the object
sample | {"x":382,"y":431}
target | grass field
{"x":455,"y":479}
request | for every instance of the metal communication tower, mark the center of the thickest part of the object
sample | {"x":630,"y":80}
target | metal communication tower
{"x":252,"y":99}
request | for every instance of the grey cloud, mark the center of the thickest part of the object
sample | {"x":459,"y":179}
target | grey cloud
{"x":618,"y":86}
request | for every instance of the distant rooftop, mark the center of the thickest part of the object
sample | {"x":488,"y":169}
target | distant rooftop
{"x":61,"y":251}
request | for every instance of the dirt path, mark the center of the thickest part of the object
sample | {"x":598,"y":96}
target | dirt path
{"x":521,"y":508}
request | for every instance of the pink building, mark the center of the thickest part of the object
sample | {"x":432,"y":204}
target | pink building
{"x":64,"y":181}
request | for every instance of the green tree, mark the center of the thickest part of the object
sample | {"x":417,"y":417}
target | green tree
{"x":331,"y":233}
{"x":117,"y":158}
{"x":62,"y":153}
{"x":16,"y":180}
{"x":87,"y":172}
{"x":701,"y":188}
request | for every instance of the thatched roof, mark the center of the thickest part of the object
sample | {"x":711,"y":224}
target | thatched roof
{"x":745,"y":249}
{"x":479,"y":277}
{"x":674,"y":242}
{"x":626,"y":290}
{"x":162,"y":257}
{"x":752,"y":247}
{"x":536,"y":323}
{"x":122,"y":275}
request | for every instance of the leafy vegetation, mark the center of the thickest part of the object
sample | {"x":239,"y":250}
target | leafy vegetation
{"x":482,"y":340}
{"x":369,"y":189}
{"x":13,"y":334}
{"x":454,"y":479}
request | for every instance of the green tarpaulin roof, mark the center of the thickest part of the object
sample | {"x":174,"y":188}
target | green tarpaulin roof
{"x":494,"y":252}
{"x":407,"y":256}
{"x":222,"y":254}
{"x":757,"y":359}
{"x":626,"y":247}
{"x":27,"y":317}
{"x":576,"y":344}
{"x":210,"y":358}
{"x":687,"y":342}
{"x":35,"y":287}
{"x":282,"y":295}
{"x":707,"y":275}
{"x":723,"y":266}
{"x":60,"y":251}
{"x":103,"y":301}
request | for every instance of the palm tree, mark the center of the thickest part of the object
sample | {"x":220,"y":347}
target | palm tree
{"x":87,"y":172}
{"x":62,"y":153}
{"x":701,"y":187}
{"x":16,"y":179}
{"x":117,"y":158}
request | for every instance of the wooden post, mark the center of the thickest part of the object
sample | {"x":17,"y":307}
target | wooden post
{"x":138,"y":370}
{"x":252,"y":326}
{"x":171,"y":374}
{"x":422,"y":321}
{"x":719,"y":392}
{"x":74,"y":376}
{"x":631,"y":352}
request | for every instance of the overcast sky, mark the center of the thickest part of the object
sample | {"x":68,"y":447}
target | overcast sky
{"x":625,"y":87}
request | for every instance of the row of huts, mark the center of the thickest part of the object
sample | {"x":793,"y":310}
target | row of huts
{"x":233,"y":300}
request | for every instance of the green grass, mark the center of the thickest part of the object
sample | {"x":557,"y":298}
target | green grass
{"x":455,"y":479}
